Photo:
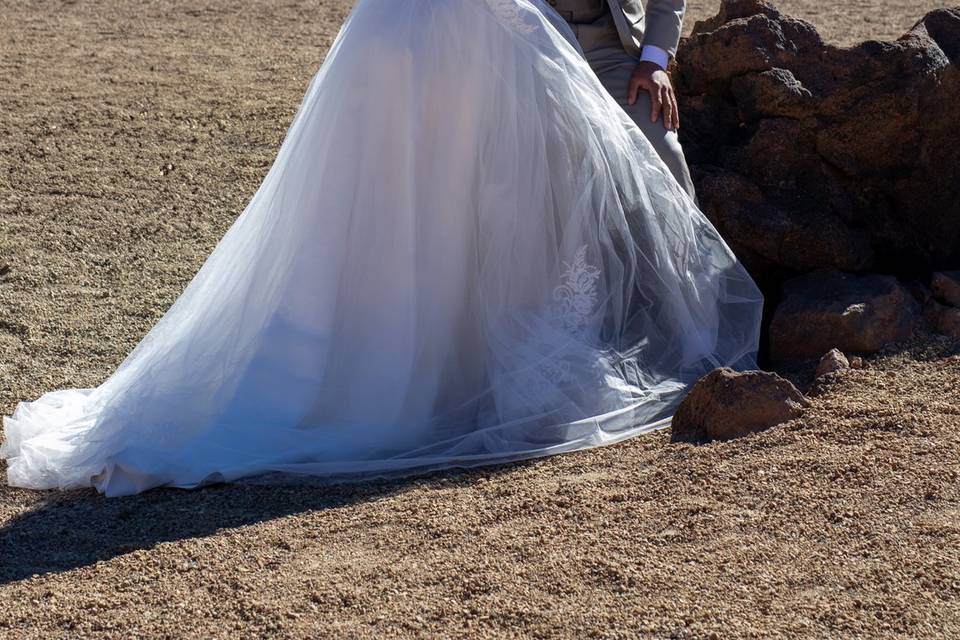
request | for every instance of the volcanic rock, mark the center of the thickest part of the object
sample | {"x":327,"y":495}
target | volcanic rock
{"x":726,"y":404}
{"x":830,"y":309}
{"x":832,"y":361}
{"x":807,"y":155}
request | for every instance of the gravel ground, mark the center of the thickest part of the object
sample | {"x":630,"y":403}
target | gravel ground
{"x":131,"y":135}
{"x":843,"y":23}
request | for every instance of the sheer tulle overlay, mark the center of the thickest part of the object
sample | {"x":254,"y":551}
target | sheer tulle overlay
{"x":465,"y":253}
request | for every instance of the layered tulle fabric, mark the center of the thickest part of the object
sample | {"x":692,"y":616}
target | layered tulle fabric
{"x":465,"y":253}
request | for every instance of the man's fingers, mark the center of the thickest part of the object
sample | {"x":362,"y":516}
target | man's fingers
{"x":676,"y":112}
{"x":665,"y":98}
{"x":633,"y":90}
{"x":656,"y":105}
{"x":672,"y":121}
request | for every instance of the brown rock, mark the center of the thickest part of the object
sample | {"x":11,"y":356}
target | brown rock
{"x":942,"y":319}
{"x":949,"y":323}
{"x":832,"y":361}
{"x":830,"y":309}
{"x":775,"y":93}
{"x":919,"y":291}
{"x":767,"y":237}
{"x":931,"y":313}
{"x":856,"y":148}
{"x":726,"y":404}
{"x":946,"y":287}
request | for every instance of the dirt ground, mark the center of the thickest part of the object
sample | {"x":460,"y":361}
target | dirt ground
{"x":131,"y":135}
{"x":842,"y":23}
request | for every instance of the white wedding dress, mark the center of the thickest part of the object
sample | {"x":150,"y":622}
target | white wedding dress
{"x":465,"y":253}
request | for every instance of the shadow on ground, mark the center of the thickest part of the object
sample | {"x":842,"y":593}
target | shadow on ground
{"x":69,"y":530}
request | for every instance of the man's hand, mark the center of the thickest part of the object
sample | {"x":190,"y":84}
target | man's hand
{"x":654,"y":80}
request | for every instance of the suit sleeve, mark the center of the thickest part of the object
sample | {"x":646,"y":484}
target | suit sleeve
{"x":664,"y":24}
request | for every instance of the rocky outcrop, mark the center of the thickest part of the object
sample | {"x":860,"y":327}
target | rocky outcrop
{"x":810,"y":156}
{"x":726,"y":404}
{"x":830,"y":309}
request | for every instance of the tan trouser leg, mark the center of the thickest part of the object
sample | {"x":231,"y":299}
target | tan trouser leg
{"x":613,"y":65}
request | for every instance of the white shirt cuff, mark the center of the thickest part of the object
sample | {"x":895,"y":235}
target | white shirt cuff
{"x":656,"y":55}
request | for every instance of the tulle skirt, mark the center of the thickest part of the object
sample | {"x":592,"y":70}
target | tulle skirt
{"x":465,"y":253}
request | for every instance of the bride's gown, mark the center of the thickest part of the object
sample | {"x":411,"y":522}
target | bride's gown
{"x":465,"y":253}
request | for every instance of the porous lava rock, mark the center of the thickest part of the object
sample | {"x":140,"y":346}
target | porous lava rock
{"x":830,"y":309}
{"x":942,"y":319}
{"x":808,"y":156}
{"x":946,"y":286}
{"x":831,"y":362}
{"x":726,"y":404}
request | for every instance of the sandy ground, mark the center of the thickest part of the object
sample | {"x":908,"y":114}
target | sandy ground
{"x":842,"y":23}
{"x":131,"y":135}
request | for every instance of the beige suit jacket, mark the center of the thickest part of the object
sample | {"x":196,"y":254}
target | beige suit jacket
{"x":660,"y":24}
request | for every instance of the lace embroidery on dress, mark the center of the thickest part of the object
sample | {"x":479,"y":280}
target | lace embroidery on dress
{"x":508,"y":12}
{"x":576,"y":299}
{"x":577,"y":293}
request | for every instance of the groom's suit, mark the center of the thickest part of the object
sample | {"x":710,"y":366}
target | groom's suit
{"x":614,"y":36}
{"x":659,"y":25}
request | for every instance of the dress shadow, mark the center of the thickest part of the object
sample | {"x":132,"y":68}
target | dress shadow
{"x":74,"y":529}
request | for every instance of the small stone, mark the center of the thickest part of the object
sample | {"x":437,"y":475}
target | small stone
{"x":832,"y":361}
{"x":726,"y":404}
